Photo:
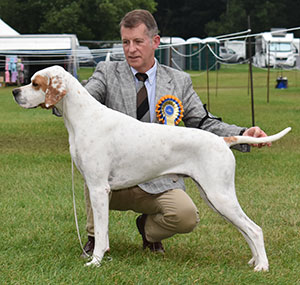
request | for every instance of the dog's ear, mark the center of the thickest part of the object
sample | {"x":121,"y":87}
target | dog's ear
{"x":56,"y":90}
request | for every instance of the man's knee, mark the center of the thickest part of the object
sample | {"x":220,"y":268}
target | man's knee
{"x":184,"y":220}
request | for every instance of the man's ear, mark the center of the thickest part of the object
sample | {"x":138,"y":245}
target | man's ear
{"x":156,"y":41}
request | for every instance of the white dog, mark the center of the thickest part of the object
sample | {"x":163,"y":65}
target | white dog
{"x":114,"y":151}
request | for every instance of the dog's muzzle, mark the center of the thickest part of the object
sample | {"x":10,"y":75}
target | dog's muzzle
{"x":16,"y":92}
{"x":19,"y":99}
{"x":17,"y":95}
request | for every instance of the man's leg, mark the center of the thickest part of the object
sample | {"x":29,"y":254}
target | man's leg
{"x":167,"y":213}
{"x":89,"y":212}
{"x":178,"y":214}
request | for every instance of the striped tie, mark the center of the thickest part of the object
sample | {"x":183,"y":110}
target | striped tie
{"x":142,"y":112}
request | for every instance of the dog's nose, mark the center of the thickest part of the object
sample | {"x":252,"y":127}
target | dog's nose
{"x":16,"y":91}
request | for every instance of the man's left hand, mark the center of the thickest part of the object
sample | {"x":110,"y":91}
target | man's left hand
{"x":256,"y":132}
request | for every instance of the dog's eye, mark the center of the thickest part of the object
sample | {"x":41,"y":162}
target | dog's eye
{"x":34,"y":84}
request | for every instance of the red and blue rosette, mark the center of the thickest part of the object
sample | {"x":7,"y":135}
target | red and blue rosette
{"x":169,"y":110}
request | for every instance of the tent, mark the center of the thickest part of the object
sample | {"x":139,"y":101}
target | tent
{"x":6,"y":30}
{"x":34,"y":52}
{"x":22,"y":55}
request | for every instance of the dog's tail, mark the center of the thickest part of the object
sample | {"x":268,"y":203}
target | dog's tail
{"x":230,"y":141}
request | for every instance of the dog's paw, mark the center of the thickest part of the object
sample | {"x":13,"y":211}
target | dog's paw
{"x":94,"y":262}
{"x":261,"y":267}
{"x":258,"y":266}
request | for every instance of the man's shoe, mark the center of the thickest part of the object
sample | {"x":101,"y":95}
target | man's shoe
{"x":153,"y":246}
{"x":88,"y":249}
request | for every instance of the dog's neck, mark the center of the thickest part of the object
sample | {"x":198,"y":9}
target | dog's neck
{"x":78,"y":107}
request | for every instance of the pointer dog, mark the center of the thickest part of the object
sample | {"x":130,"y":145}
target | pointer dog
{"x":119,"y":151}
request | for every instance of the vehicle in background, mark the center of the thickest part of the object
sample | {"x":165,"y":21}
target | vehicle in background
{"x":228,"y":55}
{"x":296,"y":45}
{"x":116,"y":53}
{"x":239,"y":47}
{"x":84,"y":56}
{"x":274,"y":49}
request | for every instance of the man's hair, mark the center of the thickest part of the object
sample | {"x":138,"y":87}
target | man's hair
{"x":136,"y":17}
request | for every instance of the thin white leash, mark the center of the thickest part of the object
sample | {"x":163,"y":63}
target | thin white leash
{"x":75,"y":212}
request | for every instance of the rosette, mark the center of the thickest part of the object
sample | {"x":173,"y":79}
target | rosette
{"x":169,"y":110}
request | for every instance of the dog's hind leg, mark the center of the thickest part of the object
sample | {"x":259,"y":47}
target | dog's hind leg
{"x":204,"y":197}
{"x":226,"y":204}
{"x":99,"y":196}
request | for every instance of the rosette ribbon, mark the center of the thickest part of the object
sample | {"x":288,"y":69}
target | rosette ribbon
{"x":169,"y":110}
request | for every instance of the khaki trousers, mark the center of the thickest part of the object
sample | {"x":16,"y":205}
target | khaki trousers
{"x":168,"y":213}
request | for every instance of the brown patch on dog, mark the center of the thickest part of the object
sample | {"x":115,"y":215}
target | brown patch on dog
{"x":40,"y":82}
{"x":55,"y":91}
{"x":230,"y":140}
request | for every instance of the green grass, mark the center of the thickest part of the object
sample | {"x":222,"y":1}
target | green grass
{"x":38,"y":240}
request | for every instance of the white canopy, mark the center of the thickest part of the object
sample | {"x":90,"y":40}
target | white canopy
{"x":39,"y":42}
{"x":6,"y":30}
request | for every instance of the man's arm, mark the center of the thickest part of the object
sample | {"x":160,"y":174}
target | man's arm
{"x":197,"y":116}
{"x":195,"y":112}
{"x":96,"y":84}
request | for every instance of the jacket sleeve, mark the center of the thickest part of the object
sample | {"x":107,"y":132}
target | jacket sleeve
{"x":197,"y":116}
{"x":96,"y":84}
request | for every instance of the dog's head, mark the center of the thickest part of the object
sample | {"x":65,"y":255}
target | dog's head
{"x":47,"y":87}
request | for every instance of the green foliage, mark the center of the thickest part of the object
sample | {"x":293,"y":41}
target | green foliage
{"x":201,"y":18}
{"x":234,"y":16}
{"x":99,"y":19}
{"x":88,"y":19}
{"x":264,"y":15}
{"x":38,"y":240}
{"x":187,"y":18}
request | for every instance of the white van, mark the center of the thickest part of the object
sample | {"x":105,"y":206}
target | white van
{"x":274,"y":49}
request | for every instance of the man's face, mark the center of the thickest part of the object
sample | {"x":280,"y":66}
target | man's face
{"x":138,"y":47}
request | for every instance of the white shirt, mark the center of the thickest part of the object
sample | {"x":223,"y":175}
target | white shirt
{"x":150,"y":84}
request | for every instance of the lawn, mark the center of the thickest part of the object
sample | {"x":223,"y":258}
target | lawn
{"x":38,"y":239}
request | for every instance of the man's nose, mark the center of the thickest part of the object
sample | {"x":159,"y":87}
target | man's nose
{"x":132,"y":47}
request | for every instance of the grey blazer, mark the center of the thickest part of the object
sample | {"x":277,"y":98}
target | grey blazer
{"x":113,"y":85}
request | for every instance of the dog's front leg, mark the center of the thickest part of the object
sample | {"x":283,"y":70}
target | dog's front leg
{"x":100,"y":204}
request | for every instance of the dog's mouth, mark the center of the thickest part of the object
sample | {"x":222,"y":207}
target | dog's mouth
{"x":23,"y":103}
{"x":19,"y":100}
{"x":42,"y":105}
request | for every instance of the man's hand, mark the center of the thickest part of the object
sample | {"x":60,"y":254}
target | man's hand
{"x":256,"y":132}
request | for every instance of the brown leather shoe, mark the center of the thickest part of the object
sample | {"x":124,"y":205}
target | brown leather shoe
{"x":88,"y":248}
{"x":153,"y":246}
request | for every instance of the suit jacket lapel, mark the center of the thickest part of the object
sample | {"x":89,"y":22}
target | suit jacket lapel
{"x":163,"y":84}
{"x":127,"y":84}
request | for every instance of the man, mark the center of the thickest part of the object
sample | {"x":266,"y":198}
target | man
{"x":165,"y":207}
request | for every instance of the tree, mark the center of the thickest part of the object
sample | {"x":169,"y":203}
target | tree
{"x":99,"y":19}
{"x":187,"y":18}
{"x":25,"y":16}
{"x":202,"y":18}
{"x":91,"y":19}
{"x":264,"y":15}
{"x":88,"y":19}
